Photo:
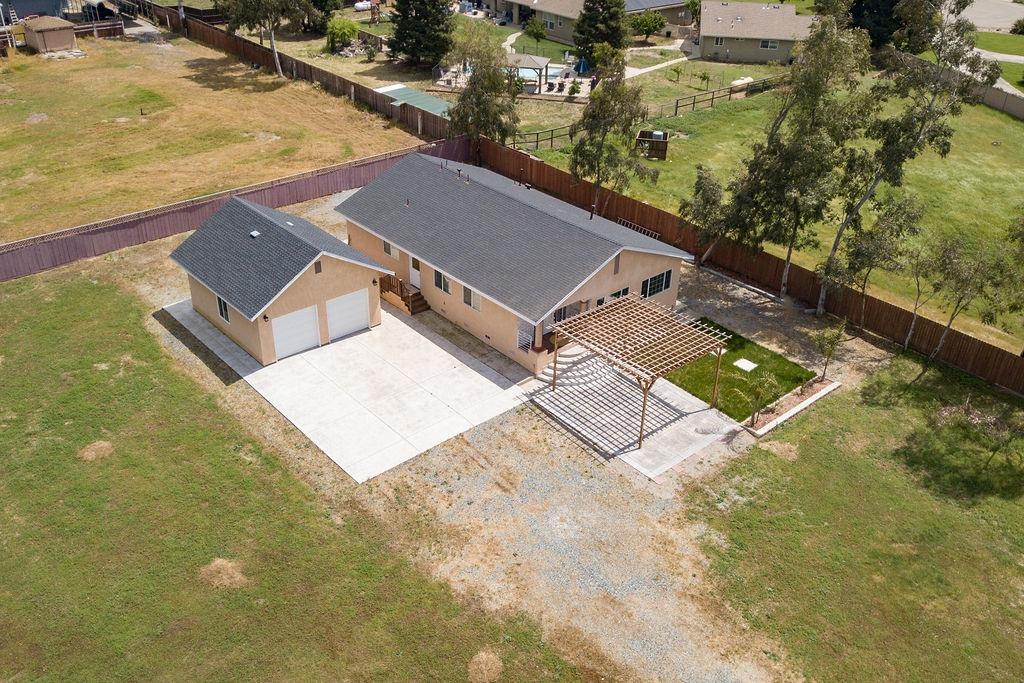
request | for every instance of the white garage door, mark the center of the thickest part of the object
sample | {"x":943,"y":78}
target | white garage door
{"x":296,"y":332}
{"x":349,"y":313}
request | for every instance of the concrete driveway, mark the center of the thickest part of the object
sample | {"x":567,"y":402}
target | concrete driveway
{"x":373,"y":400}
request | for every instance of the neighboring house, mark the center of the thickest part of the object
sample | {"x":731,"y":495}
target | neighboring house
{"x":751,"y":32}
{"x":276,"y":284}
{"x":49,"y":34}
{"x":559,"y":16}
{"x":497,"y":258}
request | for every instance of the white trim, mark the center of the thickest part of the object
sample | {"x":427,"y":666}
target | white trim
{"x":806,"y":403}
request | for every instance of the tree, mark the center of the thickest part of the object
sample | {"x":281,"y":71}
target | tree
{"x":693,"y":7}
{"x":647,"y":22}
{"x":761,"y":389}
{"x":486,"y":107}
{"x":970,"y":271}
{"x":878,"y":18}
{"x":792,"y":175}
{"x":1018,"y":27}
{"x":600,"y":21}
{"x":604,"y":151}
{"x":535,"y":29}
{"x":919,"y":262}
{"x":708,"y":211}
{"x":423,"y":31}
{"x":827,"y":342}
{"x":930,"y":94}
{"x":882,"y":245}
{"x":705,"y":78}
{"x":263,"y":15}
{"x":341,"y":32}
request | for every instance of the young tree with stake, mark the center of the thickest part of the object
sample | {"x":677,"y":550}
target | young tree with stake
{"x":827,"y":342}
{"x":535,"y":30}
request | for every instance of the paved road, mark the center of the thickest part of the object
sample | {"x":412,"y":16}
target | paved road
{"x":992,"y":14}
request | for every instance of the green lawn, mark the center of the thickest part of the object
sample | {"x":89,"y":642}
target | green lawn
{"x":1014,"y":74}
{"x":662,"y":86}
{"x":100,"y":562}
{"x":975,"y":188}
{"x":1006,"y":43}
{"x":698,"y":378}
{"x":645,"y":58}
{"x":874,"y":545}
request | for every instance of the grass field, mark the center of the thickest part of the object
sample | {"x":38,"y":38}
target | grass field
{"x":135,"y":125}
{"x":661,"y":87}
{"x":874,"y":545}
{"x":1013,"y":72}
{"x":102,"y":558}
{"x":1006,"y":43}
{"x":698,"y":378}
{"x":974,"y":189}
{"x":645,"y":58}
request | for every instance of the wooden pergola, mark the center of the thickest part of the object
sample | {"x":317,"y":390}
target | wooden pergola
{"x":643,"y":339}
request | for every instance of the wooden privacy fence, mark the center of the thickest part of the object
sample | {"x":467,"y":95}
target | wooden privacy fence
{"x":36,"y":254}
{"x":424,"y":123}
{"x":887,"y":320}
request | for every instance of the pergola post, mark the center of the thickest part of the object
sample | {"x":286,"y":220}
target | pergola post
{"x":554,"y":365}
{"x":718,"y":371}
{"x":645,"y":387}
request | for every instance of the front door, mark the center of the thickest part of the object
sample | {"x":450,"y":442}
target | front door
{"x":414,"y":272}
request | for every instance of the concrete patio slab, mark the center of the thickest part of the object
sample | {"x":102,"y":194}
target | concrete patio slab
{"x":602,"y":407}
{"x":375,"y":399}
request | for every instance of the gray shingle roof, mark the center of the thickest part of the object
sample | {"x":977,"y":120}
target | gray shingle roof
{"x":640,"y":5}
{"x":753,"y":20}
{"x":250,"y":272}
{"x":520,"y":247}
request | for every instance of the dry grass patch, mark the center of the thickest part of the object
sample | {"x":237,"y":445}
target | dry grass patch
{"x":222,"y":573}
{"x":485,"y":667}
{"x":96,"y":451}
{"x":135,"y":125}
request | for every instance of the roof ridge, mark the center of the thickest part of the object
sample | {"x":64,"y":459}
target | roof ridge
{"x":525,"y":188}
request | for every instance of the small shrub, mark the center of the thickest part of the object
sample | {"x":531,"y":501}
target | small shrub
{"x":574,"y":88}
{"x":1018,"y":26}
{"x":371,"y":51}
{"x":341,"y":31}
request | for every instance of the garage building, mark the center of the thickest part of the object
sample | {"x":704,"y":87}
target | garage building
{"x":276,"y":284}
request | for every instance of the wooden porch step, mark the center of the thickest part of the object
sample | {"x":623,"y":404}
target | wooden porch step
{"x":417,"y":304}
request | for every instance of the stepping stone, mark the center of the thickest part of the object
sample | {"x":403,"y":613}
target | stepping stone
{"x":745,"y":365}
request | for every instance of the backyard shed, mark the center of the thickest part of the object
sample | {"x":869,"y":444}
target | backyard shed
{"x":49,"y":34}
{"x":275,"y":284}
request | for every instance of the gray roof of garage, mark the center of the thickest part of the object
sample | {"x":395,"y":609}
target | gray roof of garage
{"x":249,"y":272}
{"x":518,"y":246}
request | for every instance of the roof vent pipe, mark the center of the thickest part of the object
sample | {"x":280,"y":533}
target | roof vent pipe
{"x":460,"y":172}
{"x":254,"y":234}
{"x":407,"y":201}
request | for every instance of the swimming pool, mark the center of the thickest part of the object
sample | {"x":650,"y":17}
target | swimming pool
{"x":531,"y":74}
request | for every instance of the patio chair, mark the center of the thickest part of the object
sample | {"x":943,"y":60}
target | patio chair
{"x":561,"y":86}
{"x":551,"y":86}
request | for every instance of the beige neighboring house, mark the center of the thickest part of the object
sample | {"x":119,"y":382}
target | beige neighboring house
{"x":501,"y":260}
{"x":559,"y":16}
{"x":751,"y":32}
{"x":49,"y":34}
{"x":275,"y":284}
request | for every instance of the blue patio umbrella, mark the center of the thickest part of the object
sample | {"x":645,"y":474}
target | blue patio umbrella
{"x":581,"y":66}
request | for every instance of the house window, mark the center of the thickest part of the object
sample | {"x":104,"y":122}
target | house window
{"x":560,"y":314}
{"x":318,"y":268}
{"x":769,"y":45}
{"x":719,"y":41}
{"x":441,"y":282}
{"x":470,"y":298}
{"x":656,"y":284}
{"x":619,"y":294}
{"x":222,"y":309}
{"x":559,"y":22}
{"x":600,"y":301}
{"x":389,"y":250}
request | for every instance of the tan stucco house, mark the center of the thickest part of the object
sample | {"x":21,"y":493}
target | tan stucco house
{"x":501,"y":260}
{"x":275,"y":284}
{"x":559,"y":16}
{"x":751,"y":32}
{"x":49,"y":34}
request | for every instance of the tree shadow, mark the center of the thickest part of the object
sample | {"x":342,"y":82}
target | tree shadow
{"x":961,"y":462}
{"x":227,"y":73}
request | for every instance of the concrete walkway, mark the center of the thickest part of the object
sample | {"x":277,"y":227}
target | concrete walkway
{"x":508,"y":42}
{"x":633,"y":72}
{"x":999,"y":56}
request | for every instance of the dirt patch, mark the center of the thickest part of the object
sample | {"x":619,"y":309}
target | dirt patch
{"x":786,"y":451}
{"x":96,"y":451}
{"x":485,"y":667}
{"x":37,"y":118}
{"x":221,"y":573}
{"x":263,"y":136}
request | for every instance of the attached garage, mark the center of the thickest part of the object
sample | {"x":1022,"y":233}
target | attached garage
{"x":276,"y":284}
